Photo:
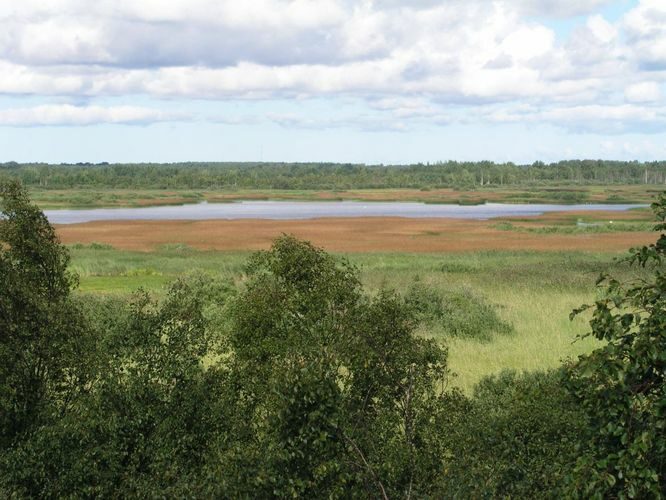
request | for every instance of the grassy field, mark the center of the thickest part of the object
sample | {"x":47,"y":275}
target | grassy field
{"x":532,"y":291}
{"x":89,"y":198}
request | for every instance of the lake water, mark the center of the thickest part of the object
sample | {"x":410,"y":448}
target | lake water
{"x":312,"y":210}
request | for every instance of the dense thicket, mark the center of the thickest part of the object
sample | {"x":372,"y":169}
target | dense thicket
{"x":298,"y":383}
{"x":42,"y":334}
{"x":517,"y":437}
{"x":332,"y":176}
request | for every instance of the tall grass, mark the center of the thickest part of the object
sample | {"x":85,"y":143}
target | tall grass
{"x":530,"y":291}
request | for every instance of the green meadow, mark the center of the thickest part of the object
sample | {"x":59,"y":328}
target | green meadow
{"x":531,"y":292}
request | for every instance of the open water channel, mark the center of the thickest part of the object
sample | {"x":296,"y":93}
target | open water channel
{"x":315,"y":209}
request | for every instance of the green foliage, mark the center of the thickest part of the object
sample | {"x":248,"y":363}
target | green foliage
{"x":425,"y":302}
{"x":150,"y":412}
{"x":42,"y":342}
{"x":99,"y":397}
{"x":579,"y":228}
{"x":569,"y":196}
{"x":516,"y":438}
{"x":622,"y":385}
{"x":92,"y":246}
{"x":343,"y":387}
{"x":458,"y":313}
{"x":299,"y":385}
{"x":332,"y":176}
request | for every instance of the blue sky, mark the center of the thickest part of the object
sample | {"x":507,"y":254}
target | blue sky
{"x":383,"y":81}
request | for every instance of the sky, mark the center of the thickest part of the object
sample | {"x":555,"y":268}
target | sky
{"x":368,"y":81}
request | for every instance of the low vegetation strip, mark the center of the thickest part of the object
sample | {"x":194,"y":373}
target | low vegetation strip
{"x":579,"y":228}
{"x":377,"y":234}
{"x":105,"y":197}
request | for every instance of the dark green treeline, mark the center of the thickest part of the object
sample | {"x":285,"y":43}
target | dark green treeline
{"x":218,"y":175}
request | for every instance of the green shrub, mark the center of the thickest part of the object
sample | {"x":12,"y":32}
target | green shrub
{"x":459,"y":267}
{"x":622,"y":385}
{"x":568,"y":196}
{"x":150,"y":413}
{"x":504,"y":226}
{"x":342,"y":391}
{"x":176,"y":248}
{"x":457,"y":313}
{"x":515,"y":438}
{"x":91,"y":246}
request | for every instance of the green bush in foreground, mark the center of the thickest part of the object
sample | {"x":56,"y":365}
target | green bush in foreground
{"x":623,"y":384}
{"x":43,"y":341}
{"x":144,"y":423}
{"x":515,"y":438}
{"x":338,"y":390}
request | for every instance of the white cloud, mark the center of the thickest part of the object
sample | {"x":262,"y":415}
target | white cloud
{"x":632,"y":149}
{"x":59,"y":40}
{"x":67,"y":114}
{"x":645,"y":27}
{"x":609,"y":119}
{"x":252,"y":14}
{"x":557,"y":8}
{"x":214,"y":48}
{"x":601,"y":29}
{"x":643,"y":92}
{"x":149,"y":33}
{"x":601,"y":113}
{"x":414,"y":61}
{"x":20,"y":79}
{"x":364,"y":123}
{"x":407,"y":107}
{"x":528,"y":42}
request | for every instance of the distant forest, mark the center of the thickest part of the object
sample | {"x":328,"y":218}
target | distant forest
{"x":332,"y":176}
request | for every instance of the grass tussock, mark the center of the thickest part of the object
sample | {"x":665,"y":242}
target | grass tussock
{"x":457,"y":313}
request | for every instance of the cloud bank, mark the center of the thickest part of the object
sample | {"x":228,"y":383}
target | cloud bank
{"x":409,"y":63}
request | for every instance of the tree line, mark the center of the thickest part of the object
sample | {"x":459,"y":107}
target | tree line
{"x":296,"y":382}
{"x":332,"y":176}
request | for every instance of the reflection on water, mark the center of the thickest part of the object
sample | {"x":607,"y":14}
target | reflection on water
{"x":314,"y":209}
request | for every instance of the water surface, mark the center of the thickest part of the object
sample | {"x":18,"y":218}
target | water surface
{"x":284,"y":210}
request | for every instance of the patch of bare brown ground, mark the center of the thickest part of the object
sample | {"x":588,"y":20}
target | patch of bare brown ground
{"x":374,"y":234}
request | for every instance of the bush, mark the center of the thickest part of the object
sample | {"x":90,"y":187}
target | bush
{"x":622,"y":385}
{"x":298,"y":385}
{"x":150,"y":414}
{"x":568,"y":196}
{"x":516,"y":438}
{"x":340,"y":390}
{"x":43,"y":341}
{"x":92,"y":246}
{"x":458,"y":313}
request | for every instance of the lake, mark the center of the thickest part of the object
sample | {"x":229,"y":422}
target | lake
{"x":314,"y":209}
